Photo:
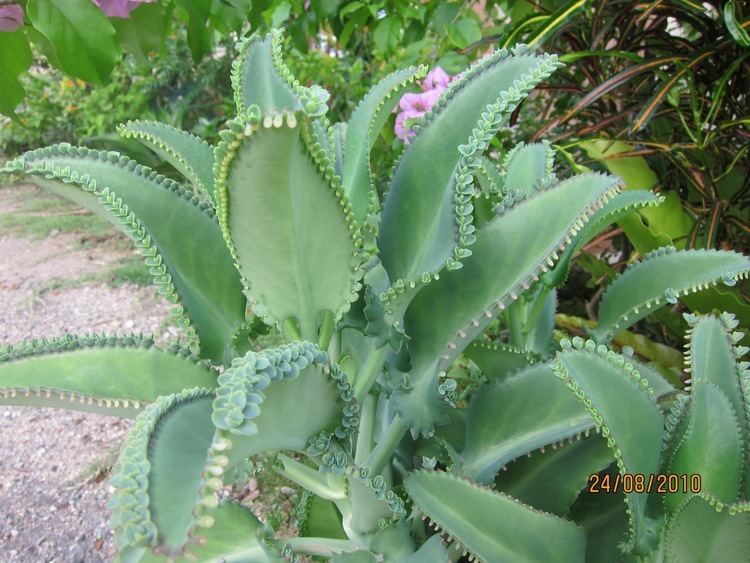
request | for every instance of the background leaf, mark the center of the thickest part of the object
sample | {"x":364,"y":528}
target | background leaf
{"x":82,"y":36}
{"x":15,"y":58}
{"x":464,"y":32}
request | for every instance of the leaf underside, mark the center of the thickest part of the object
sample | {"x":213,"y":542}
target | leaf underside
{"x":700,"y":534}
{"x":625,"y":410}
{"x":493,"y":526}
{"x":274,"y":186}
{"x":661,"y":277}
{"x":552,"y":480}
{"x":190,"y":155}
{"x":98,"y":377}
{"x":510,"y":418}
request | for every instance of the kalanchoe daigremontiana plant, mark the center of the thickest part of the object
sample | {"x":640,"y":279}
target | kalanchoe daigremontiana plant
{"x":394,"y":411}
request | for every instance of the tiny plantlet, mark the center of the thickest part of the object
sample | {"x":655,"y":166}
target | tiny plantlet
{"x":378,"y":299}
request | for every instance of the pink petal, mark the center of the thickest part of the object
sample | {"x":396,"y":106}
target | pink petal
{"x":11,"y":17}
{"x":411,"y":102}
{"x":401,"y":118}
{"x":119,"y":8}
{"x":430,"y":97}
{"x":437,"y":77}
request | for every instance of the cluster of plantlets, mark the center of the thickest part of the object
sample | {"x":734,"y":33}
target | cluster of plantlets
{"x":377,"y":300}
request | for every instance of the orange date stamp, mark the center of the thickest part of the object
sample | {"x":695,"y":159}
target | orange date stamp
{"x":640,"y":483}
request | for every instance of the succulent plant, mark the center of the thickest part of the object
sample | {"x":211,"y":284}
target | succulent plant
{"x":387,"y":402}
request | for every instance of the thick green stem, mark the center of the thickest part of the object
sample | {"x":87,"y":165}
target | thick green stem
{"x":514,"y":319}
{"x":326,"y":330}
{"x":334,"y":347}
{"x":369,"y":372}
{"x":323,"y":547}
{"x":291,"y":329}
{"x":383,"y":451}
{"x":366,"y":428}
{"x":312,"y":480}
{"x":535,"y":310}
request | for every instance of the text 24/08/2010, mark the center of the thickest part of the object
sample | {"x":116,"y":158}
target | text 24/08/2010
{"x":640,"y":483}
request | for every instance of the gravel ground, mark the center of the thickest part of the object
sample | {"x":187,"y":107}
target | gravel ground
{"x":53,"y":463}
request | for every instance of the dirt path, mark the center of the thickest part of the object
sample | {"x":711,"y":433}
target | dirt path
{"x":53,"y":490}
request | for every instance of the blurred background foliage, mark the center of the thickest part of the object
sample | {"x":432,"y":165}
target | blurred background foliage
{"x":655,"y":91}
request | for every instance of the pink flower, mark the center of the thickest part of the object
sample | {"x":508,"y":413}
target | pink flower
{"x":414,"y":106}
{"x":404,"y":122}
{"x":419,"y":102}
{"x":119,"y":8}
{"x":11,"y":17}
{"x":436,"y":78}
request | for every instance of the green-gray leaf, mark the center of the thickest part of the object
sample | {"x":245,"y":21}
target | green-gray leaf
{"x":190,"y":155}
{"x":510,"y":418}
{"x":660,"y":277}
{"x":418,"y":230}
{"x":494,"y":526}
{"x":274,"y":199}
{"x":625,"y":411}
{"x":107,"y":375}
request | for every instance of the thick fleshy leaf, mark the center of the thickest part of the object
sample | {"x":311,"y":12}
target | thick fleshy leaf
{"x":539,"y":336}
{"x":363,"y":129}
{"x":260,"y":78}
{"x":159,"y":474}
{"x":510,"y":418}
{"x":526,"y":240}
{"x":432,"y":551}
{"x":714,"y":357}
{"x":274,"y":195}
{"x":625,"y":411}
{"x":489,"y":178}
{"x":97,"y":374}
{"x":426,"y":219}
{"x":160,"y":216}
{"x":552,"y":480}
{"x":191,"y":156}
{"x":494,"y":526}
{"x":606,"y":522}
{"x":621,"y":206}
{"x":711,"y":447}
{"x":231,"y":536}
{"x":528,"y":167}
{"x":661,"y":277}
{"x":698,"y":533}
{"x":278,"y":399}
{"x":317,"y":517}
{"x":395,"y":543}
{"x":497,"y":361}
{"x":177,"y":453}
